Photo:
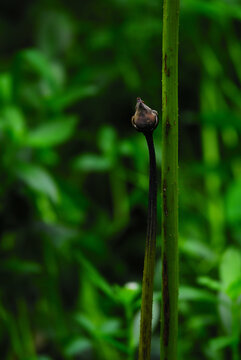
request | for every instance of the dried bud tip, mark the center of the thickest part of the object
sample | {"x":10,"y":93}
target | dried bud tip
{"x":145,"y":119}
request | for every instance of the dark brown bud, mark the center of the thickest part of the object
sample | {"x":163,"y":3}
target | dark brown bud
{"x":145,"y":119}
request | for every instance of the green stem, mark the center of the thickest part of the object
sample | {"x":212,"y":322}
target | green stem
{"x":149,"y":262}
{"x":169,"y":310}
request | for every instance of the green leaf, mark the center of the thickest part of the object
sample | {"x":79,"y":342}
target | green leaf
{"x":198,"y":322}
{"x":71,"y":96}
{"x":86,"y":324}
{"x":95,"y":276}
{"x":210,"y":283}
{"x":38,"y":179}
{"x":52,"y":133}
{"x":117,"y":344}
{"x":12,"y":122}
{"x":110,"y":327}
{"x":234,"y":290}
{"x":197,"y":249}
{"x":5,"y":87}
{"x":215,"y":10}
{"x":38,"y":62}
{"x":221,"y":342}
{"x":92,"y":162}
{"x":20,"y":266}
{"x":127,"y":294}
{"x":230,"y":267}
{"x":187,"y":293}
{"x":107,"y":140}
{"x":233,"y":199}
{"x":77,"y":346}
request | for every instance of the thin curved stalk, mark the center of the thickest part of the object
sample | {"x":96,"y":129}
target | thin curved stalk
{"x":145,"y":120}
{"x":169,"y":308}
{"x":149,"y":262}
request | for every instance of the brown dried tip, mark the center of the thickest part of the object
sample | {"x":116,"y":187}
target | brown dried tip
{"x":145,"y":119}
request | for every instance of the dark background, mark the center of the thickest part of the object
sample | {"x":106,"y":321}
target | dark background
{"x":74,"y":177}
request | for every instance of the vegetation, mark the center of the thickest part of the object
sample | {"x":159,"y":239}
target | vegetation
{"x":74,"y":178}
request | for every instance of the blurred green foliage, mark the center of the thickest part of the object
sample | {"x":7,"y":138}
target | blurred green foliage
{"x":74,"y":177}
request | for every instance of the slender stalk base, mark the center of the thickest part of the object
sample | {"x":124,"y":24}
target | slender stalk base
{"x":149,"y":262}
{"x":169,"y":310}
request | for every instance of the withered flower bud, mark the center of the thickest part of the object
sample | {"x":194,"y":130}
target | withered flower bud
{"x":145,"y":119}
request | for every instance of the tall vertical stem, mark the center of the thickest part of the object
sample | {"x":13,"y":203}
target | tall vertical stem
{"x":149,"y":262}
{"x":169,"y":311}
